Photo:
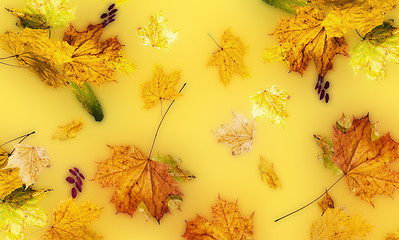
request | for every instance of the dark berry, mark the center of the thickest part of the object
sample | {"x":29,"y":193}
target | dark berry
{"x":81,"y":175}
{"x":111,"y":17}
{"x":113,"y":11}
{"x":104,"y":15}
{"x":111,"y":7}
{"x":74,"y":192}
{"x":327,"y":85}
{"x":318,"y":91}
{"x":78,"y":180}
{"x":317,"y":86}
{"x":70,"y":180}
{"x":73,"y":172}
{"x":322,"y":94}
{"x":79,"y":187}
{"x":110,"y":20}
{"x":76,"y":169}
{"x":327,"y":98}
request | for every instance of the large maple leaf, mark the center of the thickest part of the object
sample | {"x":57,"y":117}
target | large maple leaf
{"x":70,"y":222}
{"x":304,"y":38}
{"x":9,"y":181}
{"x":226,"y":223}
{"x":92,"y":61}
{"x":365,"y":161}
{"x":137,"y":180}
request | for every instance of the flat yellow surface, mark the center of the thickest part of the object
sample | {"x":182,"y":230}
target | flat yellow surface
{"x":27,"y":104}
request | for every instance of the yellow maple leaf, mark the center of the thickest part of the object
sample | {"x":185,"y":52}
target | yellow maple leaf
{"x":336,"y":224}
{"x":92,"y":61}
{"x":156,"y":33}
{"x":270,"y":103}
{"x":268,"y":174}
{"x":30,"y":160}
{"x":35,"y":51}
{"x":9,"y":181}
{"x":71,"y":222}
{"x":227,"y":224}
{"x":239,"y":134}
{"x":69,"y":130}
{"x":161,"y":87}
{"x":304,"y":38}
{"x":229,"y":57}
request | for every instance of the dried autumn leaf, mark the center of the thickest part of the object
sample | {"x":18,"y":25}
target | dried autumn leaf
{"x":85,"y":95}
{"x":328,"y":151}
{"x":336,"y":224}
{"x":303,"y":38}
{"x":44,"y":14}
{"x":69,"y":130}
{"x":71,"y":221}
{"x":35,"y":51}
{"x":161,"y":87}
{"x":137,"y":180}
{"x":177,"y":173}
{"x":3,"y":158}
{"x":373,"y":53}
{"x":226,"y":223}
{"x":364,"y":161}
{"x":326,"y":203}
{"x":270,"y":103}
{"x":239,"y":134}
{"x":92,"y":61}
{"x":156,"y":33}
{"x":268,"y":174}
{"x":392,"y":236}
{"x":9,"y":181}
{"x":18,"y":210}
{"x":30,"y":160}
{"x":287,"y":5}
{"x":229,"y":57}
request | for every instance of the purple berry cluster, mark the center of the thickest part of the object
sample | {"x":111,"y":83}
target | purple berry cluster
{"x":321,"y":88}
{"x":109,"y":16}
{"x":76,"y":179}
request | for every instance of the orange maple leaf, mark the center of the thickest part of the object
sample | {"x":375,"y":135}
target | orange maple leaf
{"x":364,"y":161}
{"x":226,"y":223}
{"x":137,"y":180}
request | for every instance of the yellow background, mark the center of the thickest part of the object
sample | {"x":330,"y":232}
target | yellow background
{"x":27,"y":104}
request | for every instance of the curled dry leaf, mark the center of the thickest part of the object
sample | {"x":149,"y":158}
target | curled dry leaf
{"x":226,"y":223}
{"x":392,"y":236}
{"x":268,"y":174}
{"x":238,"y":134}
{"x":336,"y":224}
{"x":69,"y":130}
{"x":156,"y":34}
{"x":270,"y":103}
{"x":229,"y":57}
{"x":161,"y":87}
{"x":326,"y":203}
{"x":71,"y":222}
{"x":30,"y":160}
{"x":138,"y":180}
{"x":35,"y":51}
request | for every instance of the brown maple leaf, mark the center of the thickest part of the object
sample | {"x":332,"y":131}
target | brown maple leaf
{"x":92,"y":61}
{"x":227,"y":223}
{"x":137,"y":180}
{"x":364,"y":161}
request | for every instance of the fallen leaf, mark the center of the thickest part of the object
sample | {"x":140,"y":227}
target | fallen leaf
{"x":30,"y":160}
{"x":41,"y":55}
{"x":44,"y":14}
{"x":287,"y":5}
{"x":71,"y":221}
{"x":336,"y":224}
{"x":18,"y":210}
{"x":328,"y":151}
{"x":229,"y":57}
{"x":326,"y":203}
{"x":85,"y":95}
{"x":373,"y":53}
{"x":156,"y":33}
{"x":9,"y":181}
{"x":392,"y":236}
{"x":3,"y":158}
{"x":161,"y":87}
{"x":121,"y":64}
{"x":69,"y":130}
{"x":364,"y":161}
{"x":268,"y":174}
{"x":226,"y":223}
{"x":271,"y":104}
{"x":303,"y":38}
{"x":137,"y":179}
{"x":92,"y":61}
{"x":177,"y":173}
{"x":239,"y":134}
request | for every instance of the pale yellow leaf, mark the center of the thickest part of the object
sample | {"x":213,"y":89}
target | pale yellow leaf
{"x":69,"y":130}
{"x":268,"y":174}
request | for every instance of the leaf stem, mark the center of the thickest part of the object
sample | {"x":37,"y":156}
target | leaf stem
{"x":23,"y":136}
{"x":299,"y":209}
{"x":8,"y":57}
{"x":214,"y":41}
{"x":11,"y":65}
{"x":160,"y":123}
{"x":359,"y":34}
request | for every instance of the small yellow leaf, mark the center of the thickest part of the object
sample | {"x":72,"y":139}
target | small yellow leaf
{"x":30,"y":160}
{"x":69,"y":130}
{"x":326,"y":203}
{"x":9,"y":181}
{"x":268,"y":174}
{"x":392,"y":236}
{"x":161,"y":87}
{"x":270,"y":103}
{"x":229,"y":57}
{"x":156,"y":33}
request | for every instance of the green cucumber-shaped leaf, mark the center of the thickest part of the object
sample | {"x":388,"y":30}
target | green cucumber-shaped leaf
{"x":88,"y":99}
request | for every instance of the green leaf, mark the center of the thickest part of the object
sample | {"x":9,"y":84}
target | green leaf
{"x":177,"y":173}
{"x":372,"y":54}
{"x":287,"y":5}
{"x":326,"y":145}
{"x":43,"y":14}
{"x":89,"y":101}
